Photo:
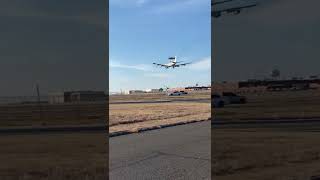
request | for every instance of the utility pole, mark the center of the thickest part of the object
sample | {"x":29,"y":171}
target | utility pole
{"x":38,"y":93}
{"x":39,"y":101}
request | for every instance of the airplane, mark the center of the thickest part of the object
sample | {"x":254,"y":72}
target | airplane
{"x":234,"y":10}
{"x":172,"y":63}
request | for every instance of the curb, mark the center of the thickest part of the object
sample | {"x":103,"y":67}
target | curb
{"x":120,"y":133}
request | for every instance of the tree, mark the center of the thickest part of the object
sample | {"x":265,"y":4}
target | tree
{"x":275,"y":74}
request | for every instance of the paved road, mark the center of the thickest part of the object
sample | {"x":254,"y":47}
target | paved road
{"x":180,"y":152}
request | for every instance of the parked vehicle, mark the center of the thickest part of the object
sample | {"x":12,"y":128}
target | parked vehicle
{"x":233,"y":98}
{"x":218,"y":101}
{"x":183,"y":92}
{"x":175,"y":93}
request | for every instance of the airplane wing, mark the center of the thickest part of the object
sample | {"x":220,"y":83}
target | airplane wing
{"x":220,"y":2}
{"x":236,"y":10}
{"x":163,"y":65}
{"x":183,"y":64}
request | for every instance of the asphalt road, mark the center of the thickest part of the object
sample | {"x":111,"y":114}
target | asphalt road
{"x":179,"y":152}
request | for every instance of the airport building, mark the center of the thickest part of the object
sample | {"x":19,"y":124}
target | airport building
{"x":153,"y":90}
{"x":76,"y":96}
{"x":198,"y":88}
{"x":272,"y":85}
{"x":136,"y":91}
{"x":56,"y":98}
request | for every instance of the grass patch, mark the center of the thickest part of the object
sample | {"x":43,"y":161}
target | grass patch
{"x":54,"y":156}
{"x":274,"y":105}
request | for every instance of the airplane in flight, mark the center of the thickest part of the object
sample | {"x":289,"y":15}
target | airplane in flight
{"x":235,"y":10}
{"x":172,"y":63}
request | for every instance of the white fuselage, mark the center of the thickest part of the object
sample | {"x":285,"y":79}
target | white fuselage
{"x":172,"y":63}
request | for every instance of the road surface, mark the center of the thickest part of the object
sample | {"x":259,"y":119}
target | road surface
{"x":180,"y":152}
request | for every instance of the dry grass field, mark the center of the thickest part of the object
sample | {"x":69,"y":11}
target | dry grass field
{"x":158,"y":97}
{"x":274,"y":105}
{"x":134,"y":116}
{"x":131,"y":117}
{"x":63,"y":156}
{"x":268,"y":153}
{"x":261,"y":154}
{"x":51,"y":115}
{"x":54,"y":156}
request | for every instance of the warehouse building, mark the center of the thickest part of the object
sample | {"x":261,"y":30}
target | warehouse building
{"x":76,"y":96}
{"x":136,"y":91}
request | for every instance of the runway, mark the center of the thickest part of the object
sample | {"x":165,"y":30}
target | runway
{"x":180,"y":152}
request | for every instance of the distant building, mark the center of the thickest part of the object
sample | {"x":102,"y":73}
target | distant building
{"x":81,"y":96}
{"x":198,"y":88}
{"x":56,"y":98}
{"x":153,"y":90}
{"x":292,"y":84}
{"x":136,"y":91}
{"x":176,"y":89}
{"x":76,"y":96}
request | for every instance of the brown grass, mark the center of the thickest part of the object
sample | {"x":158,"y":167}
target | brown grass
{"x":48,"y":115}
{"x":55,"y":156}
{"x":158,"y":97}
{"x":268,"y":154}
{"x":134,"y":116}
{"x":131,"y":113}
{"x":264,"y":154}
{"x":274,"y":105}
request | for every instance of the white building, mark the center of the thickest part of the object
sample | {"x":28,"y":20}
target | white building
{"x":153,"y":90}
{"x":56,"y":98}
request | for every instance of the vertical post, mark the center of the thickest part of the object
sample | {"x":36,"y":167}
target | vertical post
{"x":38,"y":93}
{"x":39,"y":102}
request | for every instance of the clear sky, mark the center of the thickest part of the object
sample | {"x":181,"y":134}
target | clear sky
{"x":147,"y":31}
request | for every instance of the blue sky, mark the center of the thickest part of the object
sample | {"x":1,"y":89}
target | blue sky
{"x":147,"y":31}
